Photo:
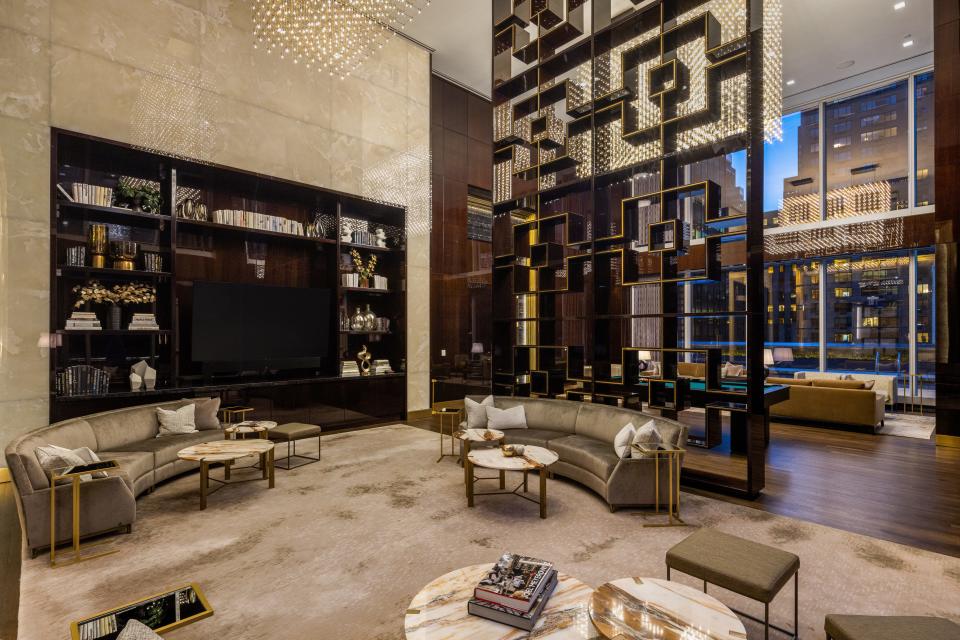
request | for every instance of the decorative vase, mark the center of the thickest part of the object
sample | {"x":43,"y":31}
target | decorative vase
{"x":369,"y":320}
{"x":357,"y":321}
{"x":114,"y":317}
{"x":97,"y":242}
{"x":365,"y":283}
{"x":124,"y":252}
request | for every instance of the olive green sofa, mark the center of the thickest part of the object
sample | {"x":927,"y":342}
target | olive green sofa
{"x":582,"y":435}
{"x":128,"y":436}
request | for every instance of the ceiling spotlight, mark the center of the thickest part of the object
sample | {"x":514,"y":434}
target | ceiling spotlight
{"x":846,"y":64}
{"x":899,"y":6}
{"x":908,"y":42}
{"x":790,"y":83}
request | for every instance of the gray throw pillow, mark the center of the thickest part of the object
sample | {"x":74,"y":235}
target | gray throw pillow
{"x":52,"y":457}
{"x":647,"y":436}
{"x":477,"y":412}
{"x":205,"y":412}
{"x":178,"y":422}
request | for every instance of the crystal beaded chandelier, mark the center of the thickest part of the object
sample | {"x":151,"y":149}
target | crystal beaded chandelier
{"x":334,"y":36}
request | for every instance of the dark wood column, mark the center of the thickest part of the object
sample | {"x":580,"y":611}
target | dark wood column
{"x":947,"y":64}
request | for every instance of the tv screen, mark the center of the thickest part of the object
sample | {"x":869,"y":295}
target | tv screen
{"x":242,"y":326}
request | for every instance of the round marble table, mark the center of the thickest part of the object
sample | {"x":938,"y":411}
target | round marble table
{"x":635,"y":608}
{"x":226,"y":452}
{"x":468,"y":436}
{"x":439,"y":611}
{"x":533,"y":459}
{"x":240,"y":430}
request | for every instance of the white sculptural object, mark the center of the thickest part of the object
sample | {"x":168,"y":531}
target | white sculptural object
{"x":345,"y":234}
{"x":145,"y":373}
{"x":135,"y":382}
{"x":381,"y":237}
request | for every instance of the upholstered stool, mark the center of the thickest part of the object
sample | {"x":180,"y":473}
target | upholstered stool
{"x":890,"y":628}
{"x":749,"y":568}
{"x":290,"y":433}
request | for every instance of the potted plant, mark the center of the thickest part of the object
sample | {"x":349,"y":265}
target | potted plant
{"x":365,"y":270}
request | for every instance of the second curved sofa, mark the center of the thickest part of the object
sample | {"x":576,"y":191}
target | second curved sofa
{"x":583,"y":434}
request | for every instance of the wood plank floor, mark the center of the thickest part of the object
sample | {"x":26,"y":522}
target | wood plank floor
{"x":898,"y":489}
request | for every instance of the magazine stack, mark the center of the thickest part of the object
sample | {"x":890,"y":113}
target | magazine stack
{"x":515,"y":591}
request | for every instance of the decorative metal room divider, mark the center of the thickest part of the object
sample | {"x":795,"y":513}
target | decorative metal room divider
{"x":605,"y":246}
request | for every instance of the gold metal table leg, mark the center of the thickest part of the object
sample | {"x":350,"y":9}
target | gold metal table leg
{"x":204,"y":483}
{"x":503,"y":478}
{"x":465,"y":451}
{"x":270,"y":469}
{"x":469,"y":467}
{"x":543,"y":492}
{"x":75,"y":490}
{"x":53,"y":523}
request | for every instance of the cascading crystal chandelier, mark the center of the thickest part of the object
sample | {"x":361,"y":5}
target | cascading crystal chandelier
{"x":335,"y":36}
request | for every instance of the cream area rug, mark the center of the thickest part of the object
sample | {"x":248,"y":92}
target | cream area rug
{"x":906,"y":425}
{"x":339,"y":548}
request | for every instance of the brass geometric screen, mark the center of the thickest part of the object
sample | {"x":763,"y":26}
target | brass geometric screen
{"x":603,"y":229}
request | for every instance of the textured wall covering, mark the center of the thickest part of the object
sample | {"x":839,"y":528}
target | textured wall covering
{"x":182,"y":77}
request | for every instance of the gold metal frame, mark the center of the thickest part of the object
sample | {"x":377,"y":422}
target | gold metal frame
{"x":74,"y":478}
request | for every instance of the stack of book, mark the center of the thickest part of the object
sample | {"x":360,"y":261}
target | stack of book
{"x":82,"y":380}
{"x":515,"y":591}
{"x":353,"y":280}
{"x":379,"y":282}
{"x":83,"y":321}
{"x":349,"y":369}
{"x":381,"y":366}
{"x":144,"y":322}
{"x":88,"y":194}
{"x":261,"y":221}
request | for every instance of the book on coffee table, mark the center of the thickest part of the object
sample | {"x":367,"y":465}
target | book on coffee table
{"x":525,"y":620}
{"x":514,"y":582}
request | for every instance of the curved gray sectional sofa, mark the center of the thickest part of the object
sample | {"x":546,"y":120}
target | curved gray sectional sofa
{"x":582,"y":435}
{"x":128,"y":436}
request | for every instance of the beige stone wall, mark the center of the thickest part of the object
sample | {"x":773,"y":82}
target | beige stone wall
{"x":184,"y":78}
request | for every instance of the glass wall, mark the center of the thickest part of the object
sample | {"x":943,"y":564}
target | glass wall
{"x":923,"y":112}
{"x":868,"y":313}
{"x":792,"y":292}
{"x":791,"y":172}
{"x":867,"y":139}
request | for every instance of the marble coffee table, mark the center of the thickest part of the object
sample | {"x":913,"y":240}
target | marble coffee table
{"x":226,"y":452}
{"x":439,"y":611}
{"x":639,"y":608}
{"x":248,"y":428}
{"x":533,"y":459}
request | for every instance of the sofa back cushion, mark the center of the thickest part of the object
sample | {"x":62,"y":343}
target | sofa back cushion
{"x":839,"y":384}
{"x":70,"y":435}
{"x":691,"y":369}
{"x":121,"y":427}
{"x":799,"y":382}
{"x":603,"y":423}
{"x":555,"y":415}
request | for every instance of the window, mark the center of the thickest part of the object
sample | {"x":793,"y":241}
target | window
{"x":791,"y":177}
{"x":923,"y":107}
{"x":926,"y":314}
{"x":840,"y":127}
{"x":792,"y":291}
{"x":879,"y":134}
{"x":867,"y":313}
{"x":867,"y":170}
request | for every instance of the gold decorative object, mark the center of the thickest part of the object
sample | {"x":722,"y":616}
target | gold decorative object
{"x":364,"y":357}
{"x":124,"y":252}
{"x":97,"y":242}
{"x":331,"y":36}
{"x":365,"y":271}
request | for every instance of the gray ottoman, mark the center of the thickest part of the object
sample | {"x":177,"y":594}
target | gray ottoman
{"x":749,"y":568}
{"x":890,"y":628}
{"x":290,"y":433}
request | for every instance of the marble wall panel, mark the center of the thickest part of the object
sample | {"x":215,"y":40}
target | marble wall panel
{"x":181,"y":76}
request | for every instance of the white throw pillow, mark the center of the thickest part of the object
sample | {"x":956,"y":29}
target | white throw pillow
{"x":477,"y":412}
{"x":646,"y":435}
{"x":178,"y":422}
{"x":53,"y":457}
{"x":621,"y":443}
{"x":513,"y":418}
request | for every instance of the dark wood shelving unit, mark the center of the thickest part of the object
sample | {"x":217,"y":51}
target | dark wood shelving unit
{"x":205,"y":251}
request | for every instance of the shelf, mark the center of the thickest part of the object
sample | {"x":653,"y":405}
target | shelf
{"x":365,"y":333}
{"x":115,"y":215}
{"x":369,"y":290}
{"x":254,"y":232}
{"x":367,"y":247}
{"x":113,"y":332}
{"x":94,"y":271}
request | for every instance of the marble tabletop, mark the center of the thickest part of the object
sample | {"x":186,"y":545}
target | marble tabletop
{"x":641,"y":608}
{"x":224,"y":450}
{"x":439,"y":612}
{"x":250,"y":426}
{"x":477,"y":435}
{"x":533,"y":458}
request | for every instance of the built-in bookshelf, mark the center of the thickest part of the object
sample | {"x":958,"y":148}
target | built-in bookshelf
{"x":200,"y":222}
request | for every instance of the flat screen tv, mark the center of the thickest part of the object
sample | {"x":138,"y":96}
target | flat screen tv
{"x":243,"y":327}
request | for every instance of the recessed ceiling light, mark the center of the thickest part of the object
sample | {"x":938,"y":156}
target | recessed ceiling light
{"x":845,"y":64}
{"x":908,"y":42}
{"x":790,"y":83}
{"x":899,"y":6}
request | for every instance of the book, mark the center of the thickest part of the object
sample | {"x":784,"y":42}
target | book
{"x":525,"y":620}
{"x":514,"y":582}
